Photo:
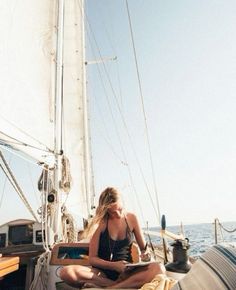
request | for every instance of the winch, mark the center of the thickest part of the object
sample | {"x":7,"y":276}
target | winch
{"x":180,"y":262}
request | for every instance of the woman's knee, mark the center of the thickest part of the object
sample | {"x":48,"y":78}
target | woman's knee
{"x":156,"y":268}
{"x":65,"y":272}
{"x":69,"y":273}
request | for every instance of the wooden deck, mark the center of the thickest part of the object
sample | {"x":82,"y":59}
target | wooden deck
{"x":8,"y":265}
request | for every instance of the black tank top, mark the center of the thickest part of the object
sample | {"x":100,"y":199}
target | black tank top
{"x":115,"y":250}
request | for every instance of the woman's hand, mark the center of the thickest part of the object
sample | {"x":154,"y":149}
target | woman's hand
{"x":120,"y":266}
{"x":145,"y":256}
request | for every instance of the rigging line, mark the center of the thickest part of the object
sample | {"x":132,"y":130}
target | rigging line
{"x":143,"y":109}
{"x":117,"y":133}
{"x":127,"y":131}
{"x":125,"y":126}
{"x":106,"y":139}
{"x":25,"y":133}
{"x":32,"y":183}
{"x":87,"y":148}
{"x":6,"y":169}
{"x":88,"y":161}
{"x":62,"y":87}
{"x":47,"y":173}
{"x":59,"y":77}
{"x":13,"y":151}
{"x":124,"y":157}
{"x":113,"y":47}
{"x":86,"y":125}
{"x":121,"y":146}
{"x":62,"y":106}
{"x":44,"y":209}
{"x":4,"y":184}
{"x":20,"y":143}
{"x":124,"y":123}
{"x":109,"y":144}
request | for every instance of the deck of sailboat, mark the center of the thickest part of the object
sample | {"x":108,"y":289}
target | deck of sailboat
{"x":214,"y":270}
{"x":8,"y":265}
{"x":22,"y":260}
{"x":45,"y":119}
{"x":64,"y":286}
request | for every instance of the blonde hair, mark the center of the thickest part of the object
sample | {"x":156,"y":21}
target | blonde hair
{"x":109,"y":196}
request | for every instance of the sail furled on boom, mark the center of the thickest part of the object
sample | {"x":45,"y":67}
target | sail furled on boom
{"x":28,"y":57}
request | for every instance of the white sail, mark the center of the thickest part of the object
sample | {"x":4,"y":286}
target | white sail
{"x":75,"y":129}
{"x":28,"y":57}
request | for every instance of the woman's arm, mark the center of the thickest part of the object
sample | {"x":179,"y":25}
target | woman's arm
{"x":95,"y":261}
{"x":138,"y":233}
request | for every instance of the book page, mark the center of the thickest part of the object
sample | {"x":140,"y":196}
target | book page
{"x":139,"y":264}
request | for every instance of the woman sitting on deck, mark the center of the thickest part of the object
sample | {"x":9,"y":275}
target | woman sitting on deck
{"x":110,"y":249}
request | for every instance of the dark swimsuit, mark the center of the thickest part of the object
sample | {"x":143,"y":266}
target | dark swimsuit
{"x":120,"y":249}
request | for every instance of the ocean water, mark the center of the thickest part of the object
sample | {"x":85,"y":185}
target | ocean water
{"x":201,"y":236}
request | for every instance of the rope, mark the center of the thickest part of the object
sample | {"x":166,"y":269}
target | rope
{"x":225,"y":229}
{"x":6,"y":169}
{"x":126,"y":127}
{"x":14,"y":151}
{"x":40,"y":281}
{"x":33,"y":184}
{"x":151,"y":244}
{"x":4,"y":186}
{"x":65,"y":182}
{"x":46,"y":177}
{"x":219,"y":228}
{"x":68,"y":228}
{"x":45,"y":185}
{"x":45,"y":182}
{"x":25,"y":133}
{"x":20,"y":143}
{"x":125,"y":162}
{"x":144,"y":111}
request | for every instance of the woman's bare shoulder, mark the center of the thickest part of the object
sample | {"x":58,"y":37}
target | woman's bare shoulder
{"x":131,"y":218}
{"x":102,"y":226}
{"x":131,"y":215}
{"x":99,"y":229}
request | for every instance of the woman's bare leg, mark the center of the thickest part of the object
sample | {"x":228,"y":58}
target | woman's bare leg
{"x":140,"y":276}
{"x":76,"y":275}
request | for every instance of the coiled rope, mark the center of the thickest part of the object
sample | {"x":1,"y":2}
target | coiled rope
{"x":70,"y":234}
{"x":65,"y":183}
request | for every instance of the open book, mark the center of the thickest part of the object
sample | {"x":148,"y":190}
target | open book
{"x":139,"y":264}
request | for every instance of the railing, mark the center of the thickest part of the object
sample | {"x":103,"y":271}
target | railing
{"x":219,"y":227}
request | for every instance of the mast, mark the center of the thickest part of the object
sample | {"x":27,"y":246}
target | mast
{"x":71,"y":131}
{"x":71,"y":109}
{"x":87,"y":150}
{"x":56,"y":219}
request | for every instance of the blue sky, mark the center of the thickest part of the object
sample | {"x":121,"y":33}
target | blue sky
{"x":187,"y":64}
{"x":186,"y":53}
